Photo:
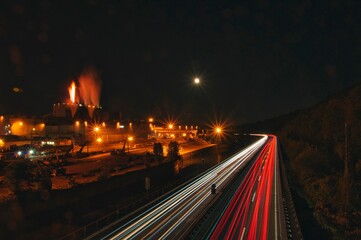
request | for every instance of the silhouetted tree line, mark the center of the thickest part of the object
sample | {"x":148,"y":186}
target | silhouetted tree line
{"x":24,"y":175}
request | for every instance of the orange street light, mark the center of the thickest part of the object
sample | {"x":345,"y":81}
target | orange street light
{"x":99,"y":141}
{"x":130,"y":139}
{"x":218,"y":130}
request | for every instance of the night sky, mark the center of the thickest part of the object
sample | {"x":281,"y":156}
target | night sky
{"x":256,"y":59}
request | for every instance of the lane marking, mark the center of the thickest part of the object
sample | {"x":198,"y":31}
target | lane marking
{"x":244,"y":229}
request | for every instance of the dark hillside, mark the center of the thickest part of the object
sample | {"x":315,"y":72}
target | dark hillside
{"x":323,"y":145}
{"x":270,"y":125}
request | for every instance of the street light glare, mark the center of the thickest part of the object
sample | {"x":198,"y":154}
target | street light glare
{"x":197,"y":80}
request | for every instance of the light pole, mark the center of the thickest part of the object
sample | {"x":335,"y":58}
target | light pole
{"x":97,"y":135}
{"x":218,"y":132}
{"x":31,"y":137}
{"x":130,"y":139}
{"x":99,"y":141}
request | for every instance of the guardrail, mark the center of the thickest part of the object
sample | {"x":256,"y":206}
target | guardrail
{"x":138,"y":202}
{"x":292,"y":224}
{"x":99,"y":224}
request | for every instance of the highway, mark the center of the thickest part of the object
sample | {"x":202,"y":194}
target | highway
{"x":173,"y":217}
{"x":253,"y":212}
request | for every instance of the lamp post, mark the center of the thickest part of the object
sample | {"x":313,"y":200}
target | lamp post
{"x":85,"y":135}
{"x":218,"y":132}
{"x":130,"y":139}
{"x":31,"y":137}
{"x":99,"y":141}
{"x":170,"y":127}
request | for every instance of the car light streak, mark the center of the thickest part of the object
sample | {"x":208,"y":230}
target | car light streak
{"x":165,"y":219}
{"x":253,"y":218}
{"x":275,"y":192}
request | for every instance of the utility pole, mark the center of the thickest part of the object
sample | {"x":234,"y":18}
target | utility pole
{"x":348,"y":168}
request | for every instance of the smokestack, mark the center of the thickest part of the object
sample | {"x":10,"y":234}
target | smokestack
{"x":71,"y":90}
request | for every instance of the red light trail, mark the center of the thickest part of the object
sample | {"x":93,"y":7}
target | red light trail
{"x":248,"y":214}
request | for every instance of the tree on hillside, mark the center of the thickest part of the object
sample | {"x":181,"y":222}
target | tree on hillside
{"x":42,"y":176}
{"x":23,"y":175}
{"x":18,"y":174}
{"x":173,"y":151}
{"x":323,"y":144}
{"x":158,"y":151}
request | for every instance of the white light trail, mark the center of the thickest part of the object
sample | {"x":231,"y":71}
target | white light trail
{"x":162,"y":220}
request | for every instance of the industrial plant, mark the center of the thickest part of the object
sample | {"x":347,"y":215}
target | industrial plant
{"x":79,"y":123}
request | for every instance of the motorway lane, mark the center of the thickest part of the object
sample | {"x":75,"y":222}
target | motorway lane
{"x":252,"y":213}
{"x":173,"y":217}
